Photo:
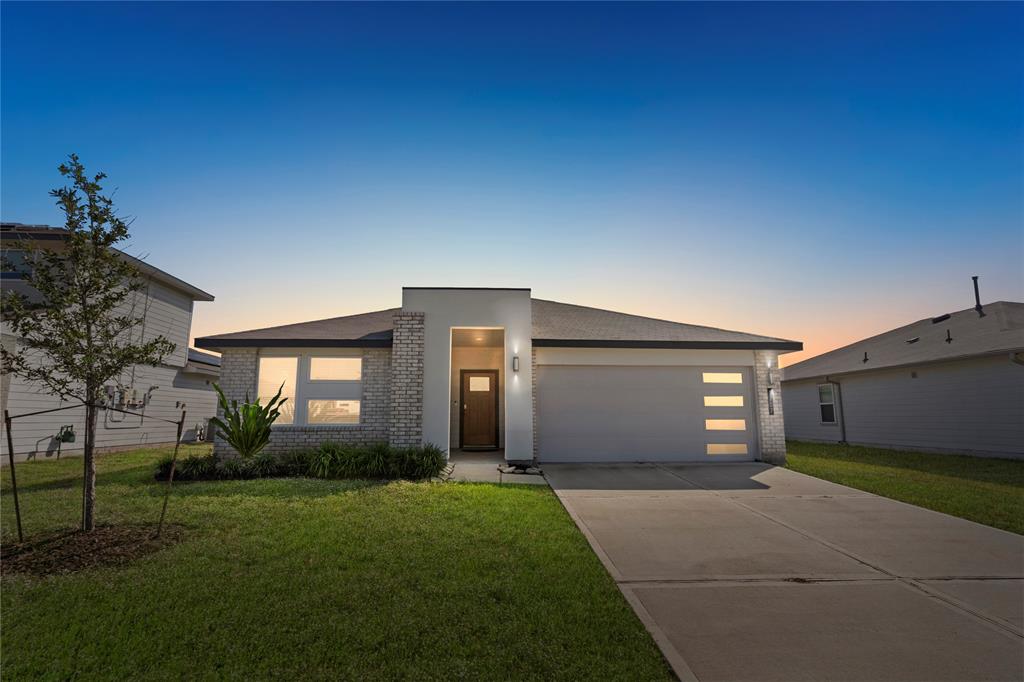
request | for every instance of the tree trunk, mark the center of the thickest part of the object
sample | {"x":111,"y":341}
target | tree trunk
{"x":89,"y":476}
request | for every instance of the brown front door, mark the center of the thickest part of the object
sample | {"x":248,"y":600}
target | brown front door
{"x":478,"y":427}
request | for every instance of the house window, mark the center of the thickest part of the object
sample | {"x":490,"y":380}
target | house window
{"x":331,"y":388}
{"x":278,"y":373}
{"x":827,"y":403}
{"x":321,"y":389}
{"x":332,"y":411}
{"x":335,"y":369}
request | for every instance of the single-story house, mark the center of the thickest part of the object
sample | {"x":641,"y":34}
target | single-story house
{"x":952,"y":383}
{"x":474,"y":368}
{"x":183,"y":381}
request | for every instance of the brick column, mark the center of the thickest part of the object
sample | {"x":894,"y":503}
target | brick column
{"x":406,"y":428}
{"x":771,"y":431}
{"x":238,"y":370}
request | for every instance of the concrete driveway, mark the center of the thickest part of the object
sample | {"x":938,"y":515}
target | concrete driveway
{"x":751,"y":572}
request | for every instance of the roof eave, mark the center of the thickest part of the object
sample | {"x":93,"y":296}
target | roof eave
{"x":201,"y":368}
{"x":216,"y":344}
{"x":194,"y":292}
{"x":704,"y":345}
{"x":900,"y":365}
{"x":213,"y":343}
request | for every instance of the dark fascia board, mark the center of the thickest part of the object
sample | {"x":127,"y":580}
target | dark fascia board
{"x":467,"y":288}
{"x":201,"y":368}
{"x":214,"y":344}
{"x":904,"y":365}
{"x":719,"y":345}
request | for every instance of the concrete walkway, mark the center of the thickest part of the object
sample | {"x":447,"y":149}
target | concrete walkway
{"x":750,"y":572}
{"x":482,"y":467}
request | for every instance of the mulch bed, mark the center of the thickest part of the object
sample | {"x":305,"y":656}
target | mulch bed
{"x":70,"y":551}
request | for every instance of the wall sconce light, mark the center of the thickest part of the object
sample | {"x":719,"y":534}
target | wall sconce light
{"x":515,"y":363}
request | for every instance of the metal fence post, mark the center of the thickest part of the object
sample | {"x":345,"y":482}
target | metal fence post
{"x":170,"y":475}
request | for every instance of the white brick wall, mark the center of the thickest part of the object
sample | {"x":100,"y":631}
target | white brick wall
{"x":239,"y":369}
{"x":771,"y":430}
{"x":407,"y":380}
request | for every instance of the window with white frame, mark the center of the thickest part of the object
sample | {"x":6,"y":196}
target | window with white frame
{"x":275,"y":374}
{"x":827,"y":403}
{"x":322,"y":389}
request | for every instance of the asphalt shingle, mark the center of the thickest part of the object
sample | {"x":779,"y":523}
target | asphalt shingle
{"x":554,"y":324}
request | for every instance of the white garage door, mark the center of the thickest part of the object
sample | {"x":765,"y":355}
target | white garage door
{"x":644,"y":414}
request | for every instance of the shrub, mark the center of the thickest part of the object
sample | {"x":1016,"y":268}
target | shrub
{"x":329,"y":460}
{"x":233,"y":468}
{"x":264,"y":465}
{"x":201,"y":468}
{"x":382,"y":461}
{"x":422,"y":462}
{"x":246,"y":427}
{"x":197,"y":468}
{"x":163,"y":469}
{"x":295,"y":463}
{"x":322,"y":462}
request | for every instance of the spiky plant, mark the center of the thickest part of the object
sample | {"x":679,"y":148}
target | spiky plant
{"x":246,"y":426}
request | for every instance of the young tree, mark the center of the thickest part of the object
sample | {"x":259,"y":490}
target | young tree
{"x":77,"y":329}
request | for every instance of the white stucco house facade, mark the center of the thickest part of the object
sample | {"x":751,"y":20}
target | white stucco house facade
{"x":484,"y":368}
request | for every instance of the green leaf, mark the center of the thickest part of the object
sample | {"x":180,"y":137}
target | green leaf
{"x":246,"y":427}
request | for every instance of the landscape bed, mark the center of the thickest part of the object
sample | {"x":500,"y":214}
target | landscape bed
{"x":988,"y":491}
{"x":306,"y":578}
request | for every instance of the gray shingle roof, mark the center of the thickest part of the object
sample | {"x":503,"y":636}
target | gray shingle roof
{"x":363,"y":330}
{"x":1001,"y":330}
{"x":203,"y":358}
{"x":554,"y":324}
{"x":563,"y":324}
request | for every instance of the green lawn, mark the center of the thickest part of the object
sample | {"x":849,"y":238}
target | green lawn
{"x":989,"y":491}
{"x":301,"y":578}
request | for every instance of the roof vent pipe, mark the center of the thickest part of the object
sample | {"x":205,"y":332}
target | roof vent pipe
{"x":977,"y":298}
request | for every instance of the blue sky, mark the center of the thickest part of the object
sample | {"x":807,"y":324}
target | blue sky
{"x":816,"y":171}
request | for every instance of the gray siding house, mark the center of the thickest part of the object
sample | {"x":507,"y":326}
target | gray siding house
{"x":953,"y":383}
{"x":183,"y":381}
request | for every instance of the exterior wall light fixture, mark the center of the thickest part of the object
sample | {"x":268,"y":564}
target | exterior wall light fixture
{"x":515,"y":363}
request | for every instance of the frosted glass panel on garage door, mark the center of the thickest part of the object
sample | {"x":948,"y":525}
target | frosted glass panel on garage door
{"x":640,"y":413}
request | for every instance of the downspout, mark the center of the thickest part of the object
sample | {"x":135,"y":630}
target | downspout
{"x":839,"y":408}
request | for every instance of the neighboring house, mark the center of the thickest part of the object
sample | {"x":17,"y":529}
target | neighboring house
{"x":954,"y":383}
{"x":183,"y":381}
{"x":493,"y":368}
